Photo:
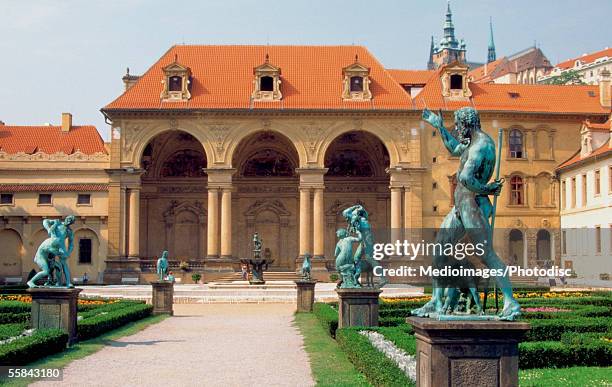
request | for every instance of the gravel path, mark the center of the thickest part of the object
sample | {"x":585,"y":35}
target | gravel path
{"x":205,"y":345}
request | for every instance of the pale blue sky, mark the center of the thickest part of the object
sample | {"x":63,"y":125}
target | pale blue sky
{"x":70,"y":55}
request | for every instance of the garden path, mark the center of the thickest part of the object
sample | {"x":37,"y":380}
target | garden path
{"x":209,"y":344}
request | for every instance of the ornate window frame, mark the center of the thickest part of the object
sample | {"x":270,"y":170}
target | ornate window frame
{"x":455,"y":69}
{"x":176,"y":69}
{"x":356,"y":70}
{"x":267,"y":70}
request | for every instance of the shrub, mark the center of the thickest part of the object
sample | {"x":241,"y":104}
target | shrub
{"x":572,"y":312}
{"x":107,"y":308}
{"x":567,"y":301}
{"x":196,"y":277}
{"x":553,"y":329}
{"x":15,"y":307}
{"x":378,"y":369}
{"x":391,"y":321}
{"x":552,"y":354}
{"x":101,"y":323}
{"x":25,"y":350}
{"x":11,"y":318}
{"x":402,"y":336}
{"x":11,"y":330}
{"x":401,"y":305}
{"x":328,"y":317}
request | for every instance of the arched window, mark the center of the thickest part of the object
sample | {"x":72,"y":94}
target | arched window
{"x":515,"y":144}
{"x":456,"y":82}
{"x":517,"y":191}
{"x":516,"y":246}
{"x":356,"y":84}
{"x":267,"y":83}
{"x":543,"y":245}
{"x":175,"y":83}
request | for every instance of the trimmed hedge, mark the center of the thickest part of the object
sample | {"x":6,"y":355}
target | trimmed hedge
{"x":101,"y":323}
{"x":25,"y":350}
{"x":328,"y":317}
{"x":378,"y":369}
{"x":402,"y":336}
{"x":15,"y":307}
{"x":553,"y":329}
{"x":12,"y":318}
{"x":407,"y":305}
{"x":391,"y":321}
{"x":11,"y":330}
{"x":566,"y":301}
{"x":579,"y":311}
{"x":107,"y":308}
{"x":586,"y":351}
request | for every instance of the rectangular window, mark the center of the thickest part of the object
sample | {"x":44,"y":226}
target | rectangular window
{"x":597,"y":183}
{"x":44,"y":199}
{"x":573,"y":187}
{"x":598,"y":239}
{"x":85,"y":250}
{"x":84,"y":199}
{"x":564,"y":242}
{"x":584,"y":190}
{"x":6,"y":198}
{"x":563,"y":187}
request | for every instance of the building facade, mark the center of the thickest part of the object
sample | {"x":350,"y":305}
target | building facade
{"x":588,"y":67}
{"x":214,"y":143}
{"x":586,"y":204}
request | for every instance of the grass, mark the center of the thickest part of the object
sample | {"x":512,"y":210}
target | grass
{"x":566,"y":377}
{"x":330,"y":365}
{"x":85,"y":348}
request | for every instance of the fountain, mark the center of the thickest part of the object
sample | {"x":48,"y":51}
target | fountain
{"x":257,"y":263}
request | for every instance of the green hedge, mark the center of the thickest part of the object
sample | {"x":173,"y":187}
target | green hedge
{"x":25,"y":350}
{"x":101,"y":323}
{"x":402,"y":336}
{"x":107,"y":308}
{"x":12,"y":318}
{"x":15,"y":307}
{"x":574,"y":311}
{"x":328,"y":317}
{"x":378,"y":369}
{"x":553,"y":329}
{"x":391,"y":321}
{"x":573,"y":350}
{"x":566,"y":301}
{"x":398,"y":305}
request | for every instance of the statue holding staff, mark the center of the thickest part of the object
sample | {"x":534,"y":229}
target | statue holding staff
{"x":472,"y":210}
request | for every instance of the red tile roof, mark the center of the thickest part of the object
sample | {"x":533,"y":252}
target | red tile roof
{"x":411,"y":77}
{"x":606,"y":126}
{"x":50,"y":139}
{"x":483,"y":73}
{"x":577,"y":99}
{"x":576,"y":157}
{"x":585,"y":58}
{"x":93,"y":187}
{"x":222,"y":78}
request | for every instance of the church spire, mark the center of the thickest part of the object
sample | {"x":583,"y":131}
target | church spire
{"x":430,"y":62}
{"x":491,"y":56}
{"x":449,"y":28}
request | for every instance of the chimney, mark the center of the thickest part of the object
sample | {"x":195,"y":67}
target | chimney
{"x":66,"y":122}
{"x":129,"y":80}
{"x":605,"y":91}
{"x":1,"y":123}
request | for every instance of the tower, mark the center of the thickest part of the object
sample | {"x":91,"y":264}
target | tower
{"x":491,"y":56}
{"x":450,"y":49}
{"x":430,"y":62}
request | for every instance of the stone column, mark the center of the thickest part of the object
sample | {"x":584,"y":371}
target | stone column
{"x":319,"y":224}
{"x":134,"y":223}
{"x":226,"y":223}
{"x":396,"y":213}
{"x":212,"y":249}
{"x":305,"y":221}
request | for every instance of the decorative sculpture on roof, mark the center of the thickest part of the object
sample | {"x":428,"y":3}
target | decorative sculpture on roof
{"x":56,"y":272}
{"x":470,"y":215}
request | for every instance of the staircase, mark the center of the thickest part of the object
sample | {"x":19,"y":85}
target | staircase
{"x":268,"y":276}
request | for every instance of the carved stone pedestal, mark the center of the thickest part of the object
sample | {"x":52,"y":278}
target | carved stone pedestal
{"x":467,"y":353}
{"x":305,"y":295}
{"x":162,"y":300}
{"x":55,"y":308}
{"x":358,"y":307}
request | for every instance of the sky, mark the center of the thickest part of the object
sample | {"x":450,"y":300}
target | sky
{"x":69,"y":56}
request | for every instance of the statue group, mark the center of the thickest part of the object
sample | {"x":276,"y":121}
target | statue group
{"x":351,"y":264}
{"x":56,"y":271}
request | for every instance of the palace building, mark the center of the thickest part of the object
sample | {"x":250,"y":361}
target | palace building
{"x":214,"y":143}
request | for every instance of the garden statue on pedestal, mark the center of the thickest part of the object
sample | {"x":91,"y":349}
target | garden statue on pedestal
{"x":257,"y":263}
{"x":162,"y":266}
{"x":345,"y":262}
{"x":306,"y":267}
{"x":470,"y":214}
{"x":52,"y":247}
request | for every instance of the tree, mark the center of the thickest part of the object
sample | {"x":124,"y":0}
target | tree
{"x":569,"y":77}
{"x":196,"y":277}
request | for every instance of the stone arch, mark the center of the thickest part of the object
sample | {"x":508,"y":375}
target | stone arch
{"x":184,"y":229}
{"x":380,"y":134}
{"x":543,"y":245}
{"x":266,"y":154}
{"x":150,"y":135}
{"x":12,"y":253}
{"x":186,"y":159}
{"x":345,"y":156}
{"x":244,"y":136}
{"x":516,"y":247}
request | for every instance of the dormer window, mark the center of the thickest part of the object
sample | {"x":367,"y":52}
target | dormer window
{"x":267,"y":82}
{"x":454,"y":79}
{"x":356,"y":82}
{"x":177,"y":82}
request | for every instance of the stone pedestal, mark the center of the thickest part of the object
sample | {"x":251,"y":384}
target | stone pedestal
{"x":467,"y":353}
{"x":358,"y":307}
{"x":305,"y":295}
{"x":162,"y":300}
{"x":55,"y":308}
